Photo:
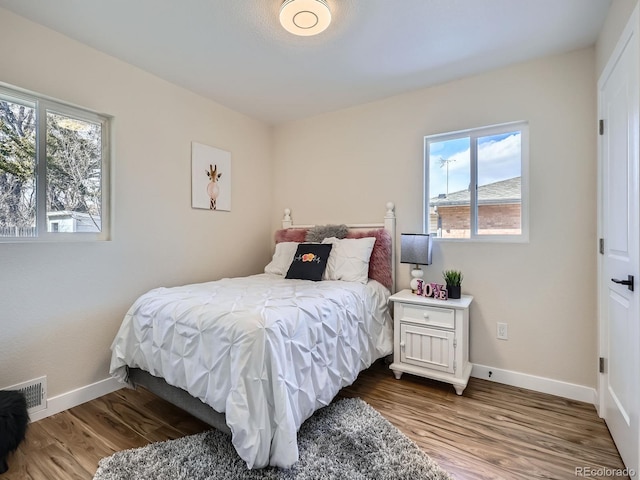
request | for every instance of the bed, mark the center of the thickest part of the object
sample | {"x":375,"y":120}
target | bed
{"x":256,"y":356}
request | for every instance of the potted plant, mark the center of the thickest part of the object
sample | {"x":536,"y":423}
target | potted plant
{"x":453,"y":279}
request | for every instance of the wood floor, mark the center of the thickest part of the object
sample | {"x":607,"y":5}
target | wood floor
{"x":491,"y":432}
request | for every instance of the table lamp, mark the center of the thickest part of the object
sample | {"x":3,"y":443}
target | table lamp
{"x":415,"y":248}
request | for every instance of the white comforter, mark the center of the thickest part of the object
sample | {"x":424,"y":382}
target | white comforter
{"x":264,"y":350}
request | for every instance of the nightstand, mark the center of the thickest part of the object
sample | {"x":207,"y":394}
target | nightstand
{"x":431,"y":338}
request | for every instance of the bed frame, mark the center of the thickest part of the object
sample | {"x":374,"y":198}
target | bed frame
{"x":182,"y":399}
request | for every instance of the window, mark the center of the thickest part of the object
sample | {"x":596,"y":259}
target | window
{"x":53,"y":170}
{"x":476,"y":184}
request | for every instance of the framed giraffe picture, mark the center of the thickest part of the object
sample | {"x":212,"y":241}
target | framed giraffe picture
{"x":210,"y":178}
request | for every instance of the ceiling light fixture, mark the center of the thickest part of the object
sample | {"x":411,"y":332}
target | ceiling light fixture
{"x":305,"y":17}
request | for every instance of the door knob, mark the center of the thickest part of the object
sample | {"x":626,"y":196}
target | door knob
{"x":628,"y":282}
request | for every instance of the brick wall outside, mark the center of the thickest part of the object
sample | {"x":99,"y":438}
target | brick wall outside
{"x":493,"y":219}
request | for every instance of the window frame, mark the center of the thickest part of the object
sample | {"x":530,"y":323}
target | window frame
{"x":42,"y":106}
{"x":473,"y":134}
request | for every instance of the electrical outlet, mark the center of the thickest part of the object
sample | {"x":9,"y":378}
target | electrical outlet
{"x":503,"y":333}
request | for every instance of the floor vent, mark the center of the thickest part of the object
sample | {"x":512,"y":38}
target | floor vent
{"x":35,"y":391}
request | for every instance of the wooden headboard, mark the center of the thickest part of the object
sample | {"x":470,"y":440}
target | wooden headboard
{"x":297,"y":233}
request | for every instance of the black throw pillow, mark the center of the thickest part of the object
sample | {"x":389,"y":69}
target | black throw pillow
{"x":309,"y":261}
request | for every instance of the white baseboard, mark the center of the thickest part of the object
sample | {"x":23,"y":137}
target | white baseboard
{"x":76,"y":397}
{"x":538,"y":384}
{"x":571,"y":391}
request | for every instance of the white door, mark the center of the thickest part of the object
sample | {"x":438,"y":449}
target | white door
{"x":618,"y":92}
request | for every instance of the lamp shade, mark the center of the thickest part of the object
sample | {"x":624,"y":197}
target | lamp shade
{"x":415,"y":248}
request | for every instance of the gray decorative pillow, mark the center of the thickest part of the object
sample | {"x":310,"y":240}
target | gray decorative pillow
{"x":320,"y":232}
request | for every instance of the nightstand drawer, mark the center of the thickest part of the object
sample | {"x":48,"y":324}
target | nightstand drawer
{"x":424,"y":315}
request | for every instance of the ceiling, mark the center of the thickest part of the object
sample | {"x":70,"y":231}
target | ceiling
{"x":236,"y":53}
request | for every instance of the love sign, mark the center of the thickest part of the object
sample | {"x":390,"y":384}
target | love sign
{"x":432,"y":290}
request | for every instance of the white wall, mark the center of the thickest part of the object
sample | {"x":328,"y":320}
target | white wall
{"x":344,"y":166}
{"x":61,"y":304}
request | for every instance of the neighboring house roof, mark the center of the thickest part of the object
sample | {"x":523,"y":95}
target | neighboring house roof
{"x":68,"y":213}
{"x":502,"y":192}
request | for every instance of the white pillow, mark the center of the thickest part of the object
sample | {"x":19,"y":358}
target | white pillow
{"x":282,"y":258}
{"x":349,"y":259}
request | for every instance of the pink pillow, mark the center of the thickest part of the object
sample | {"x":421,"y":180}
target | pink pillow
{"x":380,"y":261}
{"x":290,"y":235}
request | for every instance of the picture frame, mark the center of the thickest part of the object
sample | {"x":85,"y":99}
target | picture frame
{"x":210,"y":178}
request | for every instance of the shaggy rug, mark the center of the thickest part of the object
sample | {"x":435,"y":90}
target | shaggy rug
{"x":347,"y":440}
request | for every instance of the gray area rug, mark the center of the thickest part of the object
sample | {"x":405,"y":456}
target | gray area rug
{"x":346,"y":440}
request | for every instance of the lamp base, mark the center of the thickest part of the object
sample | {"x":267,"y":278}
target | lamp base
{"x":416,"y":274}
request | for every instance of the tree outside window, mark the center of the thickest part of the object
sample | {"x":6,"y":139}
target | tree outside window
{"x":52,"y":169}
